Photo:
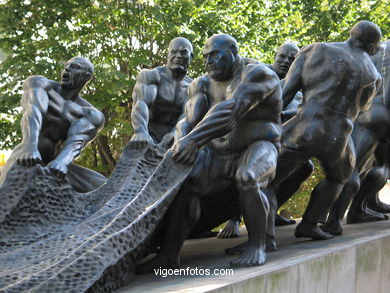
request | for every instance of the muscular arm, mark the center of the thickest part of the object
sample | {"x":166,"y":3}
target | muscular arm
{"x":367,"y":94}
{"x":257,"y":83}
{"x":293,"y":80}
{"x":35,"y":101}
{"x":80,"y":133}
{"x":144,"y":95}
{"x":195,"y":109}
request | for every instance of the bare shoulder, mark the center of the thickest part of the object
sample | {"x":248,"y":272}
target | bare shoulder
{"x":258,"y":72}
{"x":95,"y":116}
{"x":38,"y":81}
{"x":322,"y":48}
{"x":200,"y":84}
{"x":149,"y":76}
{"x":247,"y":61}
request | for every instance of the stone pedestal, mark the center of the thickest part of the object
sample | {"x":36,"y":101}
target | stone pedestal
{"x":358,"y":261}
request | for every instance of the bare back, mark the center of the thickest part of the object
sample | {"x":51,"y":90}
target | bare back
{"x":337,"y":78}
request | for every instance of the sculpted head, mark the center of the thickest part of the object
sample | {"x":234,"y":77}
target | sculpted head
{"x":367,"y":35}
{"x":78,"y":71}
{"x":284,"y":57}
{"x":220,"y":55}
{"x":180,"y":54}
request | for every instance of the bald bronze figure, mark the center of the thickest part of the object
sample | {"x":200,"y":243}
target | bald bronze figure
{"x":371,"y":135}
{"x":231,"y":131}
{"x":284,"y":57}
{"x":339,"y":81}
{"x":160,"y":94}
{"x":57,"y":124}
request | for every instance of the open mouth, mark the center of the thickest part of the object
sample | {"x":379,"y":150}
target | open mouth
{"x":65,"y":76}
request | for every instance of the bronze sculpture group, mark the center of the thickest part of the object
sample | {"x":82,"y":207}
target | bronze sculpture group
{"x":223,"y":133}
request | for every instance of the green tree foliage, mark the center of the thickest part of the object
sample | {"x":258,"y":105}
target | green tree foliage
{"x":123,"y":36}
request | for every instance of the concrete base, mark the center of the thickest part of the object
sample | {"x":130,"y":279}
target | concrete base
{"x":357,"y":261}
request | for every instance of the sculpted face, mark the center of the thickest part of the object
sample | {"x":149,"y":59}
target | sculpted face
{"x":284,"y":57}
{"x":77,"y":72}
{"x":219,"y":57}
{"x":179,"y":55}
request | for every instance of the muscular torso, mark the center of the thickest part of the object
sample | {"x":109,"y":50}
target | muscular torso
{"x":60,"y":115}
{"x":262,"y":122}
{"x":171,"y":98}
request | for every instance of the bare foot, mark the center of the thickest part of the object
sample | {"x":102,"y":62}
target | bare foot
{"x":282,"y":221}
{"x":159,"y":261}
{"x":251,"y":256}
{"x":59,"y":169}
{"x":334,"y":227}
{"x":367,"y":216}
{"x":380,"y":207}
{"x":231,"y":230}
{"x":310,"y":230}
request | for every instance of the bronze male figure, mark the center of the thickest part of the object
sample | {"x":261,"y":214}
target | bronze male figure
{"x":339,"y":81}
{"x":57,"y":124}
{"x":232,"y":132}
{"x":160,"y":94}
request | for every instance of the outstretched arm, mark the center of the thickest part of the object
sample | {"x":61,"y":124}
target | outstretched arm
{"x":144,"y":96}
{"x":196,"y":108}
{"x":80,"y":133}
{"x":257,"y":83}
{"x":35,"y":101}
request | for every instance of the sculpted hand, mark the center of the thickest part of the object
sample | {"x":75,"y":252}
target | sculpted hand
{"x":29,"y":157}
{"x":58,"y":168}
{"x":185,"y":151}
{"x":167,"y":140}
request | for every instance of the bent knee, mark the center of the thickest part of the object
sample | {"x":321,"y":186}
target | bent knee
{"x":246,"y":179}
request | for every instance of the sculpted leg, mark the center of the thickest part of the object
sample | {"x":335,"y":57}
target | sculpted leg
{"x":289,"y":187}
{"x":338,"y":164}
{"x":256,"y":169}
{"x":382,"y":156}
{"x":377,"y":205}
{"x":359,"y":212}
{"x":231,"y":230}
{"x":322,"y":196}
{"x":334,"y":222}
{"x":181,"y":217}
